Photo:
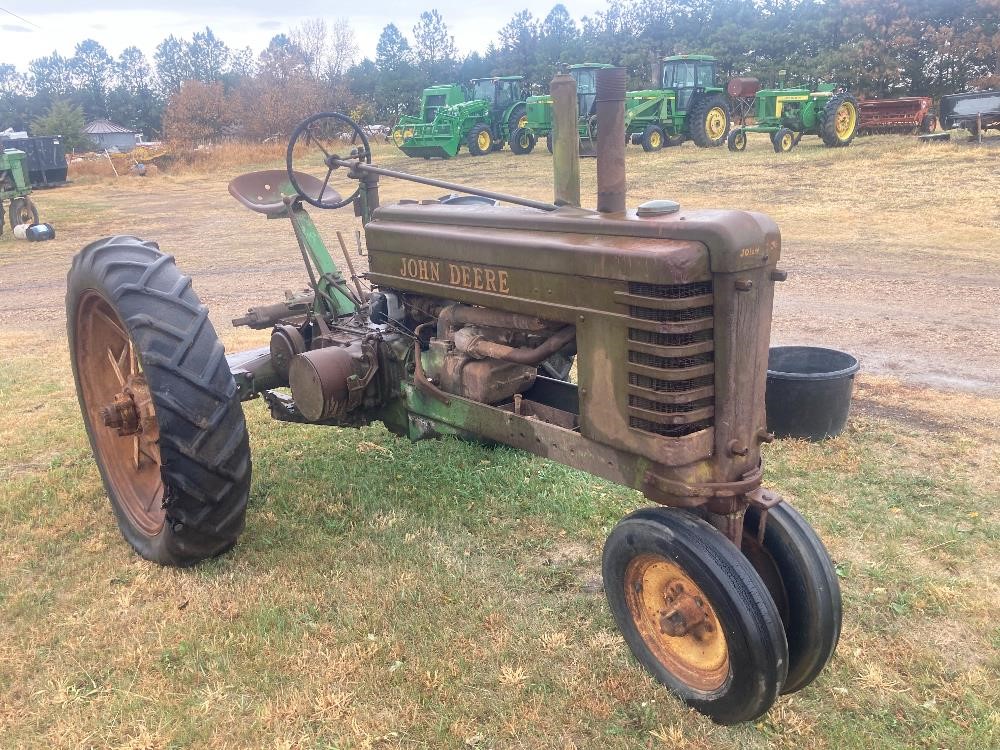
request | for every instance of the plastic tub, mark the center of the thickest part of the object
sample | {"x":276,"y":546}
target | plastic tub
{"x":808,"y":391}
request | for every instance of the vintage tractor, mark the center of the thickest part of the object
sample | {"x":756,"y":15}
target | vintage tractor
{"x":721,"y":590}
{"x":493,"y":108}
{"x":687,"y":106}
{"x":788,"y":114}
{"x":15,"y":189}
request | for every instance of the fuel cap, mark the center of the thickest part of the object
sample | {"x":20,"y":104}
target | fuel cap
{"x":658,"y":208}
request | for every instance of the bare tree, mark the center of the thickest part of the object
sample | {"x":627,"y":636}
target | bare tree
{"x":312,"y":38}
{"x":343,"y":49}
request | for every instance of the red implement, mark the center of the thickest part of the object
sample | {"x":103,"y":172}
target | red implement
{"x":905,"y":115}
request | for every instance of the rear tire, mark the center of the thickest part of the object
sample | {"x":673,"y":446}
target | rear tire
{"x":838,"y":120}
{"x":517,"y":119}
{"x":709,"y":121}
{"x":665,"y":569}
{"x":127,"y":295}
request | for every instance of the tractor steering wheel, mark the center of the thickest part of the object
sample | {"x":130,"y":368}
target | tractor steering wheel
{"x":325,"y":132}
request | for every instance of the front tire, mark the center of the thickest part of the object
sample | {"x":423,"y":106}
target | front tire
{"x":737,"y":141}
{"x":695,"y":613}
{"x":23,"y":211}
{"x":798,"y":572}
{"x":783,"y":140}
{"x":159,"y":402}
{"x":522,"y":141}
{"x":709,"y":121}
{"x":480,"y":140}
{"x":652,"y":138}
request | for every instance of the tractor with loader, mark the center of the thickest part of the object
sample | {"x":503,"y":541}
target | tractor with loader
{"x":482,"y":116}
{"x":719,"y":587}
{"x":786,"y":114}
{"x":684,"y":104}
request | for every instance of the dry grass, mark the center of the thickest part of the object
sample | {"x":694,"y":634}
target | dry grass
{"x":439,"y":594}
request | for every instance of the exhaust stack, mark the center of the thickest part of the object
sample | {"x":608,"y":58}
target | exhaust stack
{"x":611,"y":140}
{"x":565,"y":143}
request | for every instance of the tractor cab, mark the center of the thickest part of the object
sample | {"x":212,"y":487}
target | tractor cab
{"x":500,"y":92}
{"x":585,"y":75}
{"x":687,"y":74}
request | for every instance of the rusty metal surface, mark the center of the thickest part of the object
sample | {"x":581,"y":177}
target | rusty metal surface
{"x":894,"y":115}
{"x":610,"y":104}
{"x":565,"y":140}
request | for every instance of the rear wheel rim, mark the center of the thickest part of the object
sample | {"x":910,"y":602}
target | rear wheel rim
{"x":715,"y":123}
{"x":483,"y":140}
{"x":786,"y":142}
{"x":655,"y":589}
{"x":655,"y":139}
{"x":845,"y":120}
{"x":119,"y":408}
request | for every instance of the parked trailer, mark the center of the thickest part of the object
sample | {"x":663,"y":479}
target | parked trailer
{"x":975,"y":111}
{"x":908,"y":114}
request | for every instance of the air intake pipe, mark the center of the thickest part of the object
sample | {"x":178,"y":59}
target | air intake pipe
{"x":611,"y":140}
{"x":565,"y":140}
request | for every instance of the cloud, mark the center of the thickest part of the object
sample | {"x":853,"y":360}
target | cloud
{"x":15,"y":27}
{"x":268,"y":25}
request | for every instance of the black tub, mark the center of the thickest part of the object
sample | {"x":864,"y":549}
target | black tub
{"x":808,"y":391}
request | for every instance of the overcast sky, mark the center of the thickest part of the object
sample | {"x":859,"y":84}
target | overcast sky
{"x":59,"y":24}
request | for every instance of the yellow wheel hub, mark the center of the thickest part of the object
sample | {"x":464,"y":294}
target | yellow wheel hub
{"x":715,"y":123}
{"x":523,"y":122}
{"x":845,"y":120}
{"x":483,"y":140}
{"x":786,"y":141}
{"x":655,"y":140}
{"x":677,"y":622}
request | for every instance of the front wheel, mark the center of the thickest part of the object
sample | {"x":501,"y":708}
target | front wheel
{"x":737,"y":141}
{"x":798,"y":572}
{"x":480,"y":140}
{"x":695,"y":613}
{"x":522,"y":141}
{"x":23,"y":211}
{"x":159,"y":402}
{"x":783,"y":140}
{"x":652,"y":138}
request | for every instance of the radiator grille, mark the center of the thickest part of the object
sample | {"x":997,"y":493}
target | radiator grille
{"x":670,"y":316}
{"x":681,"y":401}
{"x":670,"y":291}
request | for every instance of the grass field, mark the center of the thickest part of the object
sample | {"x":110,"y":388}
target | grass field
{"x":440,"y":594}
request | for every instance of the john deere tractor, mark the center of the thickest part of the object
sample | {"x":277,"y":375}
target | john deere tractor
{"x":788,"y":114}
{"x":14,"y":189}
{"x":687,"y":106}
{"x":722,"y":590}
{"x":482,"y":116}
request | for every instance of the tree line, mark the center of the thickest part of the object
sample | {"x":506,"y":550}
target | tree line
{"x":201,"y":89}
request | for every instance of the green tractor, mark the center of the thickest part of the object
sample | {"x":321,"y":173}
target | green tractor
{"x":15,"y":188}
{"x":788,"y":114}
{"x":483,"y":116}
{"x":687,"y":106}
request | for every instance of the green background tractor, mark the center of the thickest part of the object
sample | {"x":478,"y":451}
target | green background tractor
{"x":788,"y":114}
{"x":483,"y":119}
{"x":15,"y":188}
{"x":687,"y":106}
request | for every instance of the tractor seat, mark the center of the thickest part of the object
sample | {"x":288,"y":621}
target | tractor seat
{"x":264,"y":191}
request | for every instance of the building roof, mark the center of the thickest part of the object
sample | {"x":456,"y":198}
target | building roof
{"x":103,"y":127}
